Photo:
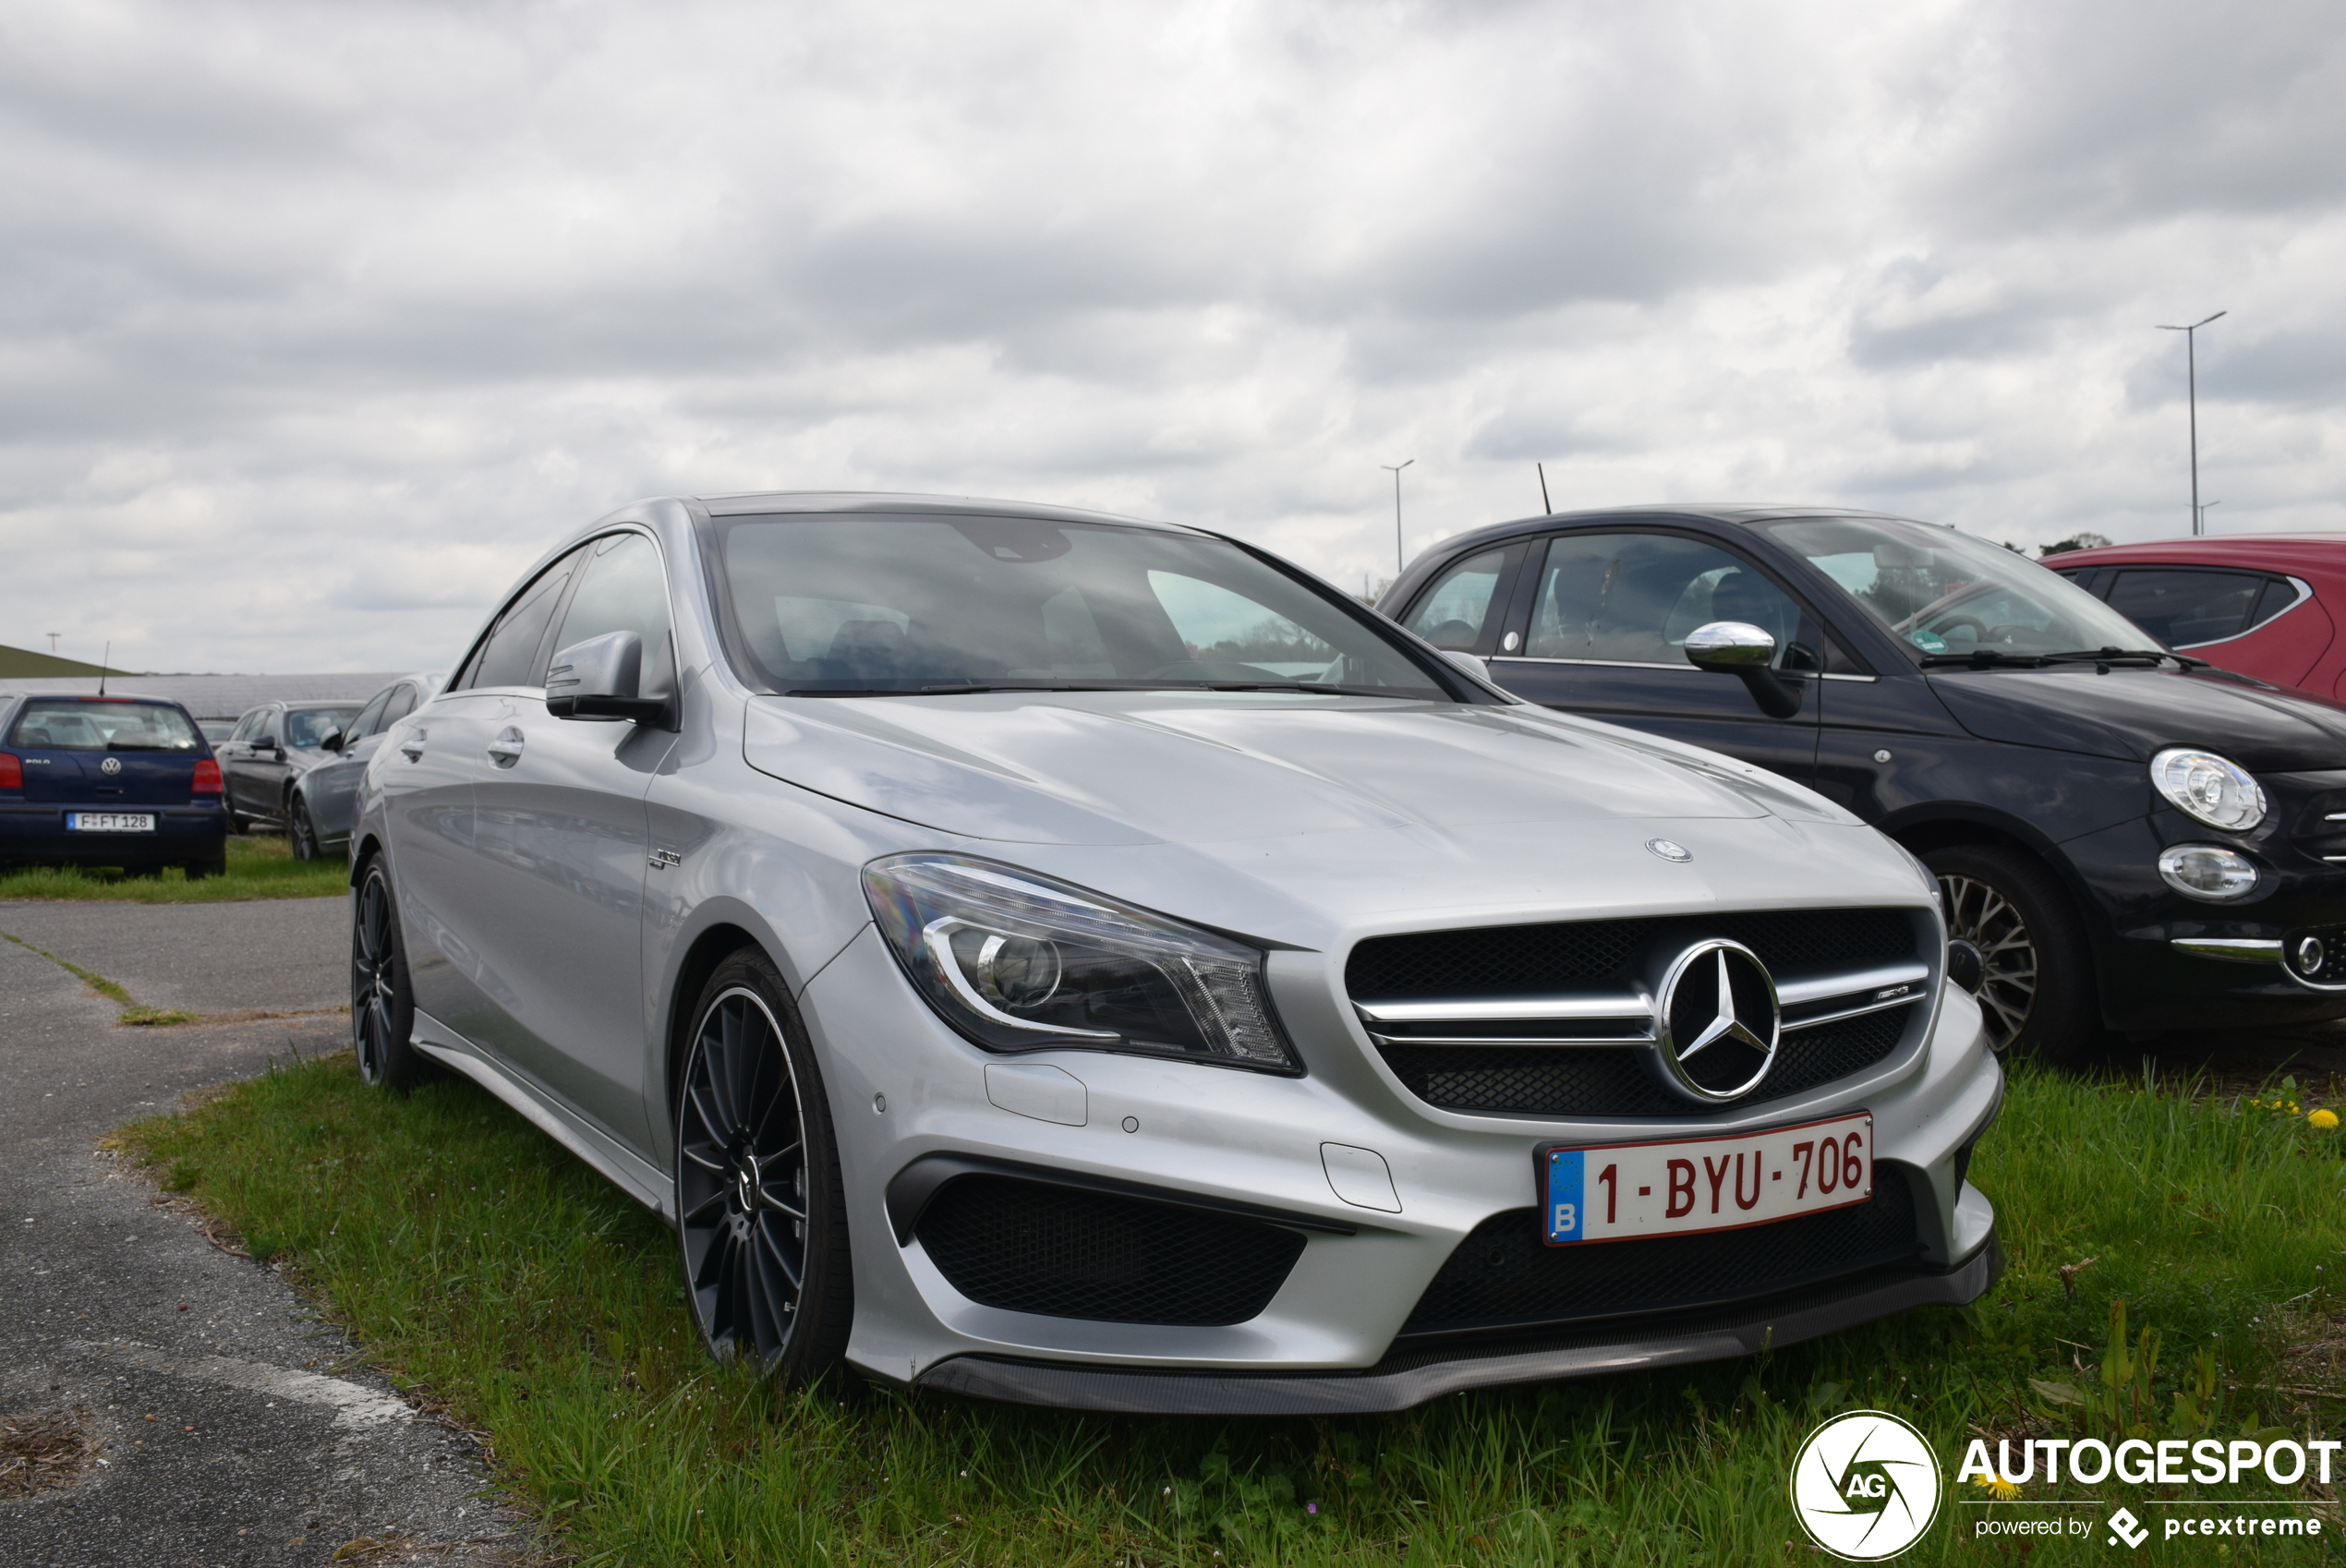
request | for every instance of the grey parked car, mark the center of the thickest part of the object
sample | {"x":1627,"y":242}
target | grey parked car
{"x":272,"y":746}
{"x":1073,"y":960}
{"x":325,"y":798}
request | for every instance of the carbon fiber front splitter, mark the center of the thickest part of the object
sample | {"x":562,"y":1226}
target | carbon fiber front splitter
{"x":1410,"y":1375}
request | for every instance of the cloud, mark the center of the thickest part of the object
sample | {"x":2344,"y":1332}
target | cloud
{"x":317,"y":325}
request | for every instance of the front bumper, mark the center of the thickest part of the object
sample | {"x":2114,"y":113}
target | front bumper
{"x":36,"y":834}
{"x":906,"y":1089}
{"x":2169,"y":961}
{"x":1413,"y":1376}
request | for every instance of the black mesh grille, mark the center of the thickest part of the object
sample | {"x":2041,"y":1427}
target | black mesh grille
{"x":1597,"y":1080}
{"x":1504,"y":1275}
{"x":1503,"y":960}
{"x":1030,"y":1246}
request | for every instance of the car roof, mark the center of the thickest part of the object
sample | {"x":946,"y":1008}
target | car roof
{"x":751,"y":502}
{"x":1743,"y":513}
{"x":2259,"y":550}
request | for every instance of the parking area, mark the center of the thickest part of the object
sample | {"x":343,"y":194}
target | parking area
{"x":231,"y":1424}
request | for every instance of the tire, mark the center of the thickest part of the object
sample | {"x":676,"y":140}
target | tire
{"x":213,"y":865}
{"x":382,"y":1002}
{"x":2035,"y":971}
{"x":238,"y":823}
{"x":761,"y":1217}
{"x":305,"y":836}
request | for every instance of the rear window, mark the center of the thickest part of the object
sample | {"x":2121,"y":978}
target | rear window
{"x":65,"y":725}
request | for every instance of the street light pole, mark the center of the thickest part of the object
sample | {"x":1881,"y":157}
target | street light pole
{"x":2191,"y":361}
{"x":1395,"y":469}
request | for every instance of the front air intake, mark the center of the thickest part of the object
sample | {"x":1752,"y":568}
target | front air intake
{"x":1061,"y":1252}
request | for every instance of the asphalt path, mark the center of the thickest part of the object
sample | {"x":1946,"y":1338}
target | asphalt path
{"x":237,"y":1428}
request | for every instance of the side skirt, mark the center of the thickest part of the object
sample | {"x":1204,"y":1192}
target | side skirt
{"x":622,"y":1167}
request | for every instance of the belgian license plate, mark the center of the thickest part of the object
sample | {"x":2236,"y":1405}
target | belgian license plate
{"x":1680,"y":1187}
{"x":110,"y":822}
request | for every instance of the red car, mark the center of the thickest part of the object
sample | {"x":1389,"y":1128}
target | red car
{"x":2263,"y":605}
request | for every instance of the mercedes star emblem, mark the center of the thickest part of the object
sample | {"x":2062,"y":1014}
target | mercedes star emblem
{"x":1717,"y":1022}
{"x":1669,"y":851}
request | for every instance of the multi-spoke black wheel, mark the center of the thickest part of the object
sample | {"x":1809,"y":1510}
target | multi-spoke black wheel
{"x":382,"y":1007}
{"x":305,"y":836}
{"x":2013,"y":942}
{"x":761,"y":1218}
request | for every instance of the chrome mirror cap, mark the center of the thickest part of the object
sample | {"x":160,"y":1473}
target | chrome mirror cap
{"x":1731,"y":645}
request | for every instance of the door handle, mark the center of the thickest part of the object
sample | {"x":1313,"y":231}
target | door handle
{"x":412,"y":747}
{"x":505,"y":750}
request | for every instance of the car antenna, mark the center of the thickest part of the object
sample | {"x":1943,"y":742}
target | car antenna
{"x":104,"y":659}
{"x":1544,"y":488}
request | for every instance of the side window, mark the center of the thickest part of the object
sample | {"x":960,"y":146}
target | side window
{"x":2182,"y":605}
{"x":1632,"y":599}
{"x":402,"y":703}
{"x":246,"y":726}
{"x":509,"y":654}
{"x":371,"y":718}
{"x":622,"y":591}
{"x":1457,"y":611}
{"x":270,"y":728}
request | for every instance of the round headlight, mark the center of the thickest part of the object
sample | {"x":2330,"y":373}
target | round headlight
{"x":2208,"y":788}
{"x":2207,"y":871}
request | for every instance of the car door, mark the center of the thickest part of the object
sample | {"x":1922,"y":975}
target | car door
{"x":563,"y":844}
{"x":264,"y":768}
{"x":331,"y":789}
{"x":233,"y":753}
{"x":1464,"y":609}
{"x":437,"y":756}
{"x":1603,"y":633}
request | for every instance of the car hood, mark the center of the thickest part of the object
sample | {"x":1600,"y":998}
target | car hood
{"x":1148,"y":767}
{"x":2134,"y":713}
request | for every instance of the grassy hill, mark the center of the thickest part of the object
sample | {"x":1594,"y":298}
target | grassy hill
{"x":24,"y":661}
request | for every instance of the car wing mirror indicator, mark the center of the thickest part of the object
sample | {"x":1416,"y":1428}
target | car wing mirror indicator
{"x":1739,"y":648}
{"x":602,"y":678}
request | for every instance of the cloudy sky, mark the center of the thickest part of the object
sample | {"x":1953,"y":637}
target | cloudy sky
{"x":319,"y":322}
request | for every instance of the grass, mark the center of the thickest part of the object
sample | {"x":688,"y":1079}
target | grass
{"x":477,"y":1262}
{"x":259,"y":866}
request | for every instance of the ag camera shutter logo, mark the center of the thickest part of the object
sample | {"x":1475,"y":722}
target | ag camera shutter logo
{"x":1865,"y":1486}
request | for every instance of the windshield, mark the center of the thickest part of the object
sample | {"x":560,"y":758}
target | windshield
{"x":305,"y":727}
{"x":878,"y":604}
{"x":1947,"y":593}
{"x":63,"y":724}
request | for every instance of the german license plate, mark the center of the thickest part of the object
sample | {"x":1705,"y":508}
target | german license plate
{"x":110,"y":822}
{"x":1683,"y":1186}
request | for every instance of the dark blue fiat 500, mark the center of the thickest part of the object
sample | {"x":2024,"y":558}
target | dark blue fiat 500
{"x":126,"y":781}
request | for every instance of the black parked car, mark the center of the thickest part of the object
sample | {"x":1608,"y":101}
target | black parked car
{"x":324,"y":799}
{"x":2124,"y":835}
{"x":273,"y":745}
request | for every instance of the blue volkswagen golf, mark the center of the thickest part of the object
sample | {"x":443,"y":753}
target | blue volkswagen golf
{"x":126,"y":781}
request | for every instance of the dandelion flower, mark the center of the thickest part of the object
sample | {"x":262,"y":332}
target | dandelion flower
{"x":2004,"y":1490}
{"x":2323,"y":1119}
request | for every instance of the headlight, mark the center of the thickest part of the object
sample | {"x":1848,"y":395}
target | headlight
{"x":2207,"y":789}
{"x":1020,"y":962}
{"x":2207,"y":871}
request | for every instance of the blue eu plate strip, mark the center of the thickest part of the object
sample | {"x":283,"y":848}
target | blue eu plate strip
{"x":1563,"y":1211}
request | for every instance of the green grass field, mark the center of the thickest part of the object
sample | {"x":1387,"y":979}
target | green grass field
{"x":477,"y":1262}
{"x":259,"y":866}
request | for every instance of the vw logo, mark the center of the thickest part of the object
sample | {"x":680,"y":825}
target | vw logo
{"x":111,"y":766}
{"x":1716,"y":1022}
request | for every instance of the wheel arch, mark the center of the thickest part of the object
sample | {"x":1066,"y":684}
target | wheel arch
{"x":707,"y":950}
{"x":362,"y":854}
{"x":1924,"y":830}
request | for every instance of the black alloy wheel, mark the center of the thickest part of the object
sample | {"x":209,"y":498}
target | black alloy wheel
{"x":762,"y":1220}
{"x":382,"y":1004}
{"x":2015,"y":944}
{"x":305,"y":838}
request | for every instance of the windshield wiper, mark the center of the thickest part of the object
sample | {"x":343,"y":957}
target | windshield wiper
{"x":1990,"y":659}
{"x":976,"y":689}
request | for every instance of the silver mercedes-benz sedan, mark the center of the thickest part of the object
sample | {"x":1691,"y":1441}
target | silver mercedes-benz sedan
{"x":1081,"y":961}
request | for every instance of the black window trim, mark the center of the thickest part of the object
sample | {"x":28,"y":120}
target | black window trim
{"x":550,"y":647}
{"x":2305,"y":591}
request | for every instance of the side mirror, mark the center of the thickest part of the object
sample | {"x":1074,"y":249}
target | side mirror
{"x":1737,"y":647}
{"x":602,"y":678}
{"x":1468,"y":661}
{"x":333,"y":742}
